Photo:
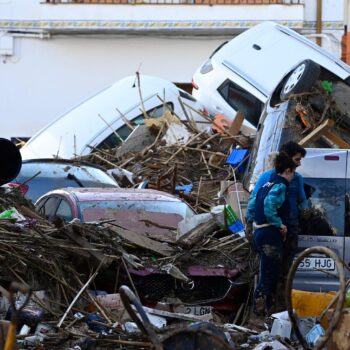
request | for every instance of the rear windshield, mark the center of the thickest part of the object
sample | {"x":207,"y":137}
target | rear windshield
{"x":96,"y":209}
{"x":152,"y":217}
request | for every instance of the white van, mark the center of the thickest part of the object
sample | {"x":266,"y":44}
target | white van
{"x":268,"y":62}
{"x":99,"y":122}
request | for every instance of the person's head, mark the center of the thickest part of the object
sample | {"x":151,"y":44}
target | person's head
{"x":295,"y":151}
{"x":285,"y":166}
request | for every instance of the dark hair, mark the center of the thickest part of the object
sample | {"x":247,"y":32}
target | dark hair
{"x":292,"y":148}
{"x":283,"y":162}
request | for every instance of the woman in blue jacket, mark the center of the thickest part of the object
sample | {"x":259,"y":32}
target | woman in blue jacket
{"x":296,"y":198}
{"x":269,"y":208}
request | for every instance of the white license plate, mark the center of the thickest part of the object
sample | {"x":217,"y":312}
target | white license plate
{"x":316,"y":263}
{"x":198,"y":310}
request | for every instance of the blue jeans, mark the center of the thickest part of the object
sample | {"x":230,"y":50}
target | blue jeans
{"x":268,"y":243}
{"x":290,"y":248}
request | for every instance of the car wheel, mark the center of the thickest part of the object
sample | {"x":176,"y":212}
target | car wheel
{"x":301,"y":79}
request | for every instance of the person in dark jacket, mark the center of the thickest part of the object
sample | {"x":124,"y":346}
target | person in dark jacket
{"x":296,"y":198}
{"x":269,"y":208}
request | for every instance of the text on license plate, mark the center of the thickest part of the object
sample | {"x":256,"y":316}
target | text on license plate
{"x":317,"y":263}
{"x":198,"y":310}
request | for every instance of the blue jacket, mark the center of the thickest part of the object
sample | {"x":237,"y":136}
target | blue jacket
{"x":269,"y":205}
{"x":296,"y":194}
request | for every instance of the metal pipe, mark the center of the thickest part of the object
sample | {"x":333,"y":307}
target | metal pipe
{"x":319,"y":21}
{"x":330,"y":41}
{"x":30,"y":35}
{"x":346,"y":13}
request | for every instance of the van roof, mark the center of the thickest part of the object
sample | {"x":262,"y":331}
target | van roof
{"x":72,"y":131}
{"x":268,"y":42}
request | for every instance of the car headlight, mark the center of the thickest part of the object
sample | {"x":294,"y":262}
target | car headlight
{"x":207,"y":67}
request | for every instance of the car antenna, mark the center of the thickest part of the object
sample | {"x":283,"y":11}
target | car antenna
{"x":75,"y":147}
{"x":59,"y":147}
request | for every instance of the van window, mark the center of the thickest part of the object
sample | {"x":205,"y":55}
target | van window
{"x":124,"y":131}
{"x":241,"y":100}
{"x":328,"y":196}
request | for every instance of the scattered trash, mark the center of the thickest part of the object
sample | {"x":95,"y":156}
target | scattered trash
{"x":12,"y":215}
{"x":186,"y":189}
{"x":189,"y":224}
{"x":226,"y":217}
{"x":176,"y":133}
{"x":281,"y":325}
{"x":237,"y":159}
{"x":314,"y":334}
{"x":96,"y":323}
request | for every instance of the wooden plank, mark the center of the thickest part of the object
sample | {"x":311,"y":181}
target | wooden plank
{"x":195,"y":235}
{"x":336,"y":139}
{"x":234,"y":128}
{"x":317,"y":133}
{"x":236,"y":125}
{"x":142,"y":241}
{"x":82,"y":242}
{"x":339,"y":339}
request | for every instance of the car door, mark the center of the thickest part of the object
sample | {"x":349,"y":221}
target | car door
{"x":324,"y":172}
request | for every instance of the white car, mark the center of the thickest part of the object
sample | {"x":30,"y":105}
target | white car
{"x":99,"y":122}
{"x":266,"y":62}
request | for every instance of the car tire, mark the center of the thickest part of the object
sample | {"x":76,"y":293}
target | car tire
{"x":301,"y":79}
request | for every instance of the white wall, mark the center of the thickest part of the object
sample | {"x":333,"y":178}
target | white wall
{"x":332,"y":10}
{"x":47,"y":77}
{"x":37,"y":10}
{"x":44,"y":78}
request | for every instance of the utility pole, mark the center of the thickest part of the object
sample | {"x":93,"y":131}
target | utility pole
{"x":319,"y":21}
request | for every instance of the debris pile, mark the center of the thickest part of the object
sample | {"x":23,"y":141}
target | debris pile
{"x":68,"y":264}
{"x":179,"y":158}
{"x":321,"y":118}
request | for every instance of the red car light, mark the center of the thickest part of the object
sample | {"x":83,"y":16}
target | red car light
{"x":331,"y":157}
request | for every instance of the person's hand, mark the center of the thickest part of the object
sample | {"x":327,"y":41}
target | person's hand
{"x":283,"y":230}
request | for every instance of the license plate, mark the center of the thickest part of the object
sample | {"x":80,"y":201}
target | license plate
{"x":198,"y":310}
{"x":316,"y":263}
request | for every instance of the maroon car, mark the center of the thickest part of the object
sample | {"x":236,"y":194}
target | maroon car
{"x":211,"y":284}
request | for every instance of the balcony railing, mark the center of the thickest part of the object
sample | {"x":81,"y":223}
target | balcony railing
{"x":182,"y":2}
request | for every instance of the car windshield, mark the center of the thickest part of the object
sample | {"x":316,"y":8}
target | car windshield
{"x":155,"y":218}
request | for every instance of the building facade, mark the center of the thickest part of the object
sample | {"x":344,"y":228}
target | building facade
{"x":55,"y":53}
